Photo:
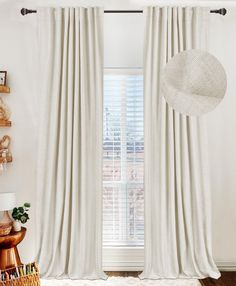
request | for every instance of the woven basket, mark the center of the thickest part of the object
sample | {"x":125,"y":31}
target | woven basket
{"x":5,"y":228}
{"x":26,"y":280}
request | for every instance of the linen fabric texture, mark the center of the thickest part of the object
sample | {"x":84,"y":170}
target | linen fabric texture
{"x":193,"y":82}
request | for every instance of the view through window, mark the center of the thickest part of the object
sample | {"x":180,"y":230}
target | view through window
{"x":123,"y":159}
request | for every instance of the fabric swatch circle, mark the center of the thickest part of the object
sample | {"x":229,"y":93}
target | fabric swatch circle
{"x":193,"y":82}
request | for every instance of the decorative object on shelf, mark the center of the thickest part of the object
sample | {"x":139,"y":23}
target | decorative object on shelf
{"x":5,"y":142}
{"x":20,"y":215}
{"x":5,"y":114}
{"x":23,"y":275}
{"x":9,"y":256}
{"x":5,"y":154}
{"x":3,"y":78}
{"x":7,"y":202}
{"x":3,"y":82}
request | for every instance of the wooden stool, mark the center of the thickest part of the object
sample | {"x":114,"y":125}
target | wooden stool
{"x":9,"y":256}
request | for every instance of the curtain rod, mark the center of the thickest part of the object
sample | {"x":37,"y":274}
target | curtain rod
{"x":222,"y":11}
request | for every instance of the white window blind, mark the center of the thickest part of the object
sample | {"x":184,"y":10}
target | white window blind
{"x":123,"y":159}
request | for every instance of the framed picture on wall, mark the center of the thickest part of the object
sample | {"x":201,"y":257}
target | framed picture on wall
{"x":3,"y":78}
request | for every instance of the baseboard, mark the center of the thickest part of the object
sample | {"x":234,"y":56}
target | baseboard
{"x":222,"y":266}
{"x":132,"y":259}
{"x":226,"y":265}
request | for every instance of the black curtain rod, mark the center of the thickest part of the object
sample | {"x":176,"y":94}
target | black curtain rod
{"x":222,"y":11}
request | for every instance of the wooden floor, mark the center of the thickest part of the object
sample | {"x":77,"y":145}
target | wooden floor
{"x":123,"y":273}
{"x":226,"y":279}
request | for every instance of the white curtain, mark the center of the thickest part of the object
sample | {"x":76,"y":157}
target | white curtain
{"x":69,"y":195}
{"x":177,"y":192}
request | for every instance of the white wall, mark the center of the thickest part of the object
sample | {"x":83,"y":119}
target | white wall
{"x":222,"y":143}
{"x":17,"y":54}
{"x":123,"y":40}
{"x":122,"y":33}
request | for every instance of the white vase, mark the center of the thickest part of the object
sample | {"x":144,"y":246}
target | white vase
{"x":16,"y":225}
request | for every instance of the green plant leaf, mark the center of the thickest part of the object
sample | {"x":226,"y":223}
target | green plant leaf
{"x":20,"y":213}
{"x":14,"y":215}
{"x":23,"y":219}
{"x":21,"y":210}
{"x":27,"y":205}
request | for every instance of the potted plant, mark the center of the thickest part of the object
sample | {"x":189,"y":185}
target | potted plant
{"x":20,"y":215}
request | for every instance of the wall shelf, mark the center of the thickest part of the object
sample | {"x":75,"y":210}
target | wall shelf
{"x":4,"y":89}
{"x":5,"y":123}
{"x":9,"y":159}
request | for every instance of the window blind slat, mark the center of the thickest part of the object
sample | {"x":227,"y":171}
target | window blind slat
{"x":123,"y":159}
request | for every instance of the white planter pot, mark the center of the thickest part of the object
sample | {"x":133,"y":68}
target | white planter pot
{"x":16,"y":225}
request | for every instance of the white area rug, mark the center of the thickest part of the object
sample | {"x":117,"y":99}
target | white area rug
{"x":122,"y":281}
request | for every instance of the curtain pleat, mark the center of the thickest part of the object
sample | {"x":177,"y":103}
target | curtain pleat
{"x":69,"y":194}
{"x":177,"y":192}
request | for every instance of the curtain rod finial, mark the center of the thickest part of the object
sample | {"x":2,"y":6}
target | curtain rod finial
{"x":221,"y":11}
{"x":25,"y":11}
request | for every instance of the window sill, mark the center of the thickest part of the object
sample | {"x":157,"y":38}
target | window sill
{"x":123,"y":258}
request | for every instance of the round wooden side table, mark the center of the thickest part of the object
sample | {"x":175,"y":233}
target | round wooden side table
{"x":9,"y":256}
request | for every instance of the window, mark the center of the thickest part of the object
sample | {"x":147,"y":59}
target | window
{"x":123,"y":159}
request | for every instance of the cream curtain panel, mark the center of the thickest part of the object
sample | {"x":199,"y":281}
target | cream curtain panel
{"x":177,"y":193}
{"x":69,"y":201}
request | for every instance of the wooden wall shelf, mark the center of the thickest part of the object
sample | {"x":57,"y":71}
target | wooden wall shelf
{"x":9,"y":159}
{"x":4,"y":89}
{"x":5,"y":123}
